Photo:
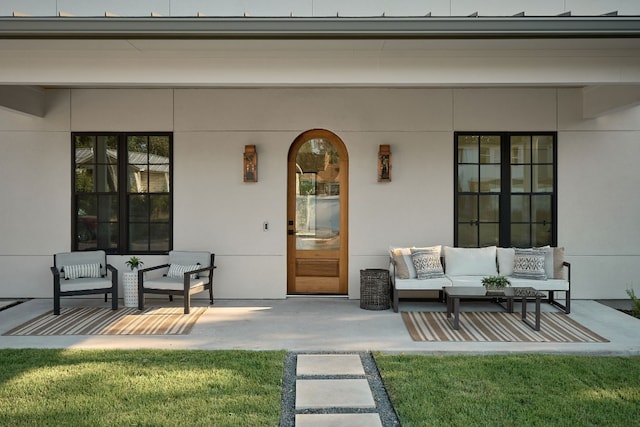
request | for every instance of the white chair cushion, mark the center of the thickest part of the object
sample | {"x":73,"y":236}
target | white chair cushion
{"x":82,"y":257}
{"x":171,"y":283}
{"x":85,"y":284}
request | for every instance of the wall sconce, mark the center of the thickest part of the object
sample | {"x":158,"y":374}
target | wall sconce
{"x":250,"y":164}
{"x":384,"y":164}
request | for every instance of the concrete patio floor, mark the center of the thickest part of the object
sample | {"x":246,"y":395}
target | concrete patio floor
{"x":307,"y":324}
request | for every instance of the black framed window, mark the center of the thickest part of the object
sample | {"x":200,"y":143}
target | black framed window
{"x":505,"y":189}
{"x":122,"y":197}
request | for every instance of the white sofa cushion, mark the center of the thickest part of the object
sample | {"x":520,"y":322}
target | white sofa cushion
{"x":505,"y":261}
{"x":435,"y":284}
{"x":465,"y":280}
{"x":470,"y":261}
{"x":540,"y":285}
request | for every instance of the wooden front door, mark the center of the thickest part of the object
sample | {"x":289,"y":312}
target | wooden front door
{"x":317,"y":212}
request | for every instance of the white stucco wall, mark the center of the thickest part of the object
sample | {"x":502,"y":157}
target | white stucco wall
{"x":215,"y":210}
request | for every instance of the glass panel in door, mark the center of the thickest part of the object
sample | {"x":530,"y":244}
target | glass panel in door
{"x":316,"y":249}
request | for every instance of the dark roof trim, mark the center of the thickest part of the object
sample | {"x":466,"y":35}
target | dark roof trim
{"x":319,"y":28}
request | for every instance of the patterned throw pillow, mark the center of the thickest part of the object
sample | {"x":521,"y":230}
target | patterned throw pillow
{"x":398,"y":257}
{"x":529,"y":264}
{"x":176,"y":271}
{"x":81,"y":270}
{"x":427,"y":263}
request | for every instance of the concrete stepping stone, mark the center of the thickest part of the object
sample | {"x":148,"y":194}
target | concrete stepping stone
{"x":338,"y":420}
{"x":341,"y":393}
{"x":329,"y":364}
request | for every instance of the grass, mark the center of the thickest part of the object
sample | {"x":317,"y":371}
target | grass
{"x":513,"y":390}
{"x":140,"y":388}
{"x":243,"y":388}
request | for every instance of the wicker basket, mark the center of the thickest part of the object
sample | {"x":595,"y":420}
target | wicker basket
{"x":374,"y":289}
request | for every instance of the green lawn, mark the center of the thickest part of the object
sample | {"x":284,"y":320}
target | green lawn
{"x":243,"y":388}
{"x":140,"y":388}
{"x":513,"y":390}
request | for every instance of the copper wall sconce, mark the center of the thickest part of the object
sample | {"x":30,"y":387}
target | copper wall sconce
{"x":250,"y":164}
{"x":384,"y":164}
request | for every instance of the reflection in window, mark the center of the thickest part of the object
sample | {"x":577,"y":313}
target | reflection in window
{"x":505,"y":189}
{"x":317,"y":195}
{"x":131,"y":218}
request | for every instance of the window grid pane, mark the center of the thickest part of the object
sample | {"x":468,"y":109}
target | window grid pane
{"x":519,"y":167}
{"x":135,"y":218}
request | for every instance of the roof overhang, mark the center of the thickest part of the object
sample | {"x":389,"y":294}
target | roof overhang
{"x":319,"y":28}
{"x":599,"y":53}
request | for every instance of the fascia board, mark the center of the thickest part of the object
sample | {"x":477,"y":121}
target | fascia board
{"x":319,"y":28}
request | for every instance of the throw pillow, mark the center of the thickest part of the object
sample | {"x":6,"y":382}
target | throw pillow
{"x":177,"y":271}
{"x":553,"y":259}
{"x":427,"y":263}
{"x":81,"y":270}
{"x":529,"y":264}
{"x":398,"y":256}
{"x":558,"y":259}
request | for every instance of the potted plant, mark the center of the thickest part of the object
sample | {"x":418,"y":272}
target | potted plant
{"x":495,"y":283}
{"x":134,"y":262}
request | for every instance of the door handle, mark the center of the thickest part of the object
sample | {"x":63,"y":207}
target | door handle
{"x":291,"y":232}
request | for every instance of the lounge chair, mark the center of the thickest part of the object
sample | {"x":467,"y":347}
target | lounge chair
{"x":83,"y":273}
{"x":186,"y":273}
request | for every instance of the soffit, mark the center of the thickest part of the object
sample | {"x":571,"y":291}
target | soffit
{"x":579,"y":46}
{"x":167,"y":52}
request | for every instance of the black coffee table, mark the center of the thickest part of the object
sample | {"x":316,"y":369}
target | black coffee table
{"x":454,"y":294}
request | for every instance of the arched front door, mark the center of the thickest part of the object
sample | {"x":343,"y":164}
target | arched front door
{"x":317,"y":214}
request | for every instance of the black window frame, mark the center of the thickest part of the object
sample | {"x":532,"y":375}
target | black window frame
{"x":504,"y":234}
{"x":122,"y":195}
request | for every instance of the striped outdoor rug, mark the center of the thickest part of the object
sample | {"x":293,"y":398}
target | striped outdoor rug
{"x":496,"y":327}
{"x":104,"y":321}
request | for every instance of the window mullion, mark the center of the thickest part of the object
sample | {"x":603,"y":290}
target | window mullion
{"x":123,"y":194}
{"x":505,"y":196}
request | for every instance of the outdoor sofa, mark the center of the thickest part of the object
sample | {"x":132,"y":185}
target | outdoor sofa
{"x":434,"y":268}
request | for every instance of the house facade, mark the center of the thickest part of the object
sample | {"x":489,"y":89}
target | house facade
{"x":125,"y":125}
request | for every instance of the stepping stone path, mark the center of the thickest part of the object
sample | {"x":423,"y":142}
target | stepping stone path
{"x":326,"y":389}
